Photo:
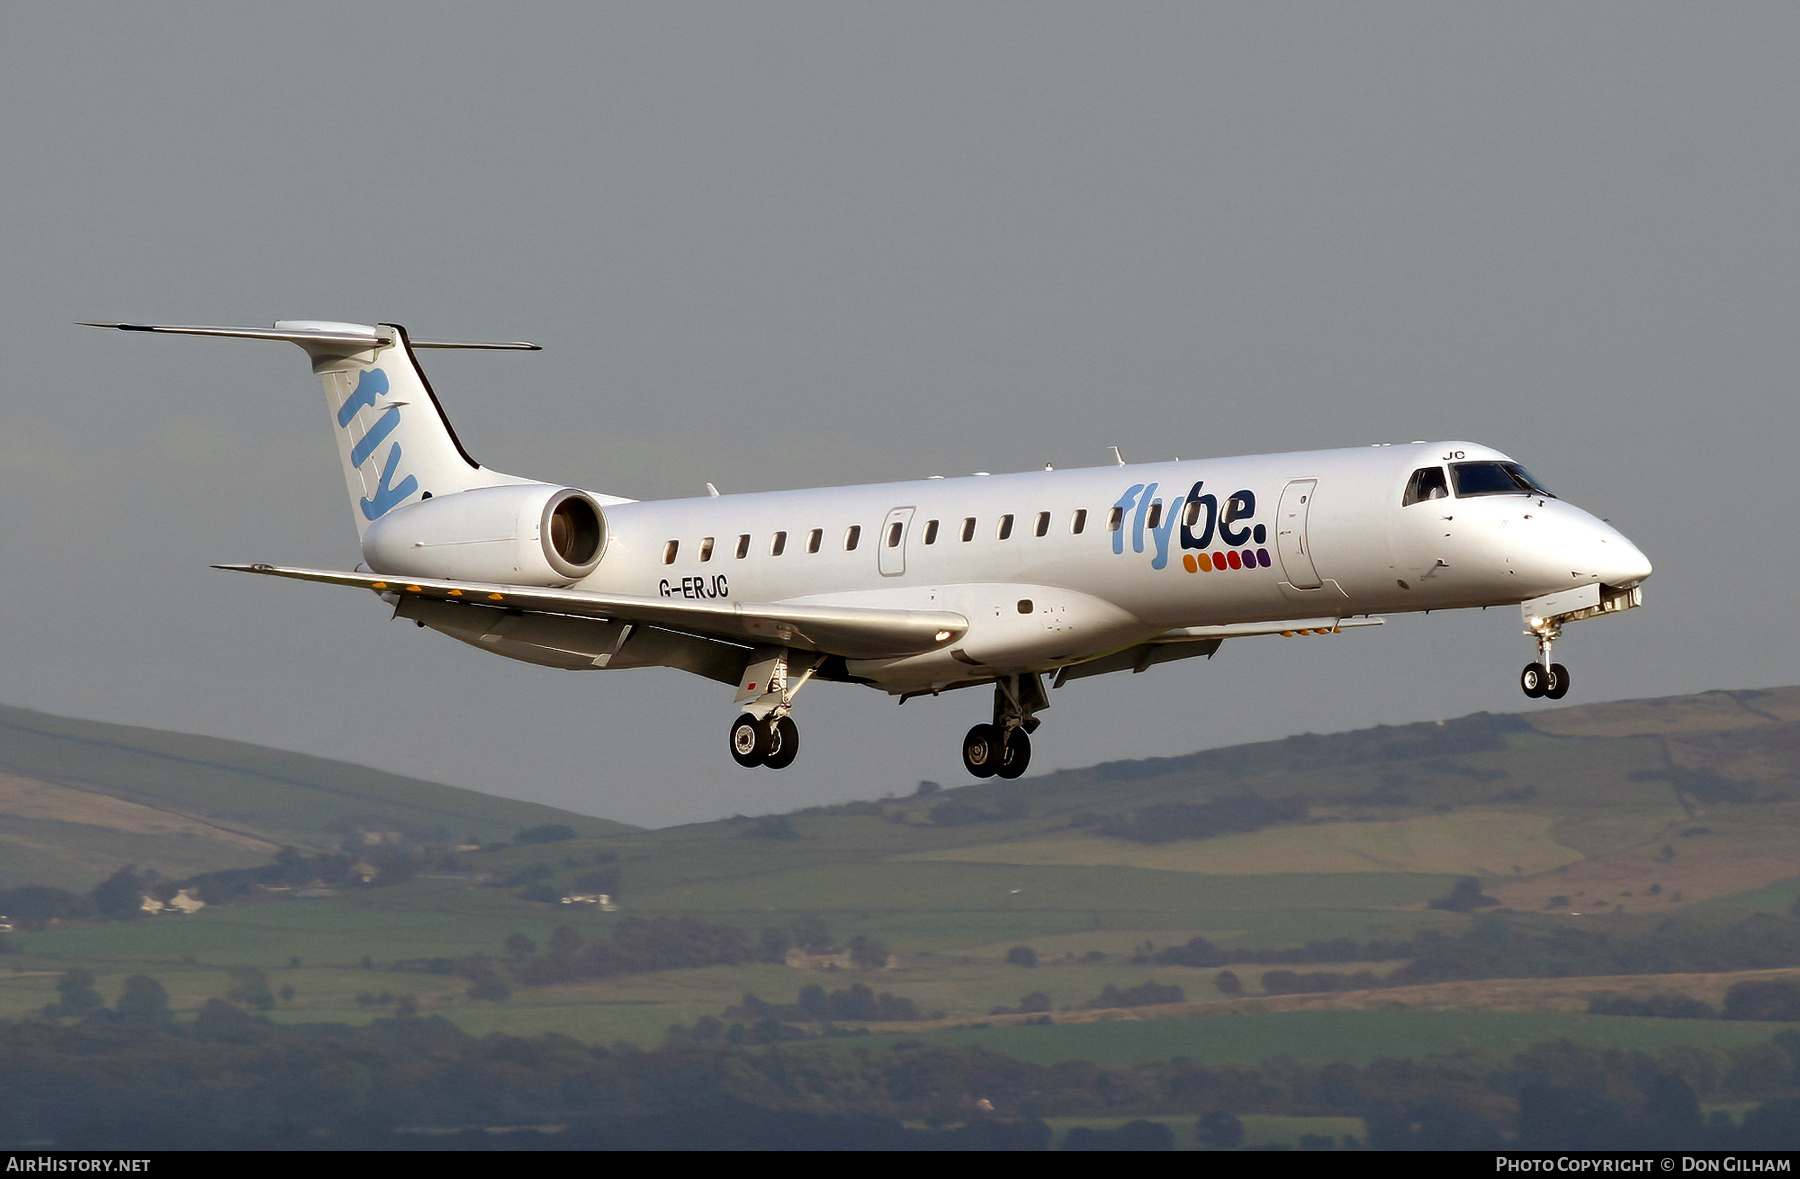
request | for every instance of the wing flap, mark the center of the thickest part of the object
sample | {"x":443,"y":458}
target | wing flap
{"x":1241,"y":630}
{"x":855,"y":632}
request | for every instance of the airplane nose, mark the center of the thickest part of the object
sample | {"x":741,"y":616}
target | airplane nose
{"x":1619,"y":562}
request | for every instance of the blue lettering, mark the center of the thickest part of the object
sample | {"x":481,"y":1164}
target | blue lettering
{"x":368,"y":386}
{"x":1137,"y":523}
{"x":1124,"y":505}
{"x":384,"y":425}
{"x":1160,"y":533}
{"x":389,"y":495}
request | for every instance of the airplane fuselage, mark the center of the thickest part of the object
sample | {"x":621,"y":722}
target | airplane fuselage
{"x":1054,"y":567}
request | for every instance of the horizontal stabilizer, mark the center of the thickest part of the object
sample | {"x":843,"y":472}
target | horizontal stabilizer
{"x":854,"y":632}
{"x":304,"y":332}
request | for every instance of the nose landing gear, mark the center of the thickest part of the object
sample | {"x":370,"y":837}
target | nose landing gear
{"x":1540,"y":680}
{"x":1544,"y":678}
{"x":1003,"y":748}
{"x":1544,"y":619}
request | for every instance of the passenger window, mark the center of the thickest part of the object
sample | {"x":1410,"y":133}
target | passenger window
{"x":931,"y":531}
{"x":669,"y":552}
{"x":852,"y":537}
{"x":813,"y":539}
{"x":1004,"y":531}
{"x":743,"y":549}
{"x":1192,"y":514}
{"x":778,"y":545}
{"x":1043,"y":523}
{"x":1079,"y":523}
{"x":706,"y":548}
{"x":1426,"y":483}
{"x":968,"y":529}
{"x":1156,"y":514}
{"x":1115,"y":519}
{"x":894,"y":531}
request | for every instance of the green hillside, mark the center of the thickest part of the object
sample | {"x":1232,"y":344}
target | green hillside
{"x":80,"y":799}
{"x":1612,"y":818}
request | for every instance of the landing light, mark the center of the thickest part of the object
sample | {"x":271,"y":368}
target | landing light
{"x":943,"y":636}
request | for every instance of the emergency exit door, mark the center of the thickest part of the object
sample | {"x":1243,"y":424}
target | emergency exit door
{"x":1290,"y":534}
{"x":891,"y":544}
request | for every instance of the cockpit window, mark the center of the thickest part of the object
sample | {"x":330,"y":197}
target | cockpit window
{"x":1426,"y":483}
{"x":1495,"y":479}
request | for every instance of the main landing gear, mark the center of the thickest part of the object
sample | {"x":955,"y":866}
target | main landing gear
{"x":1545,"y":678}
{"x":764,"y":734}
{"x":772,"y":741}
{"x":1003,"y":748}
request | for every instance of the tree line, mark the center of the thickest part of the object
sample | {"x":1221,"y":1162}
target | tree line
{"x":231,"y":1078}
{"x":1513,"y":945}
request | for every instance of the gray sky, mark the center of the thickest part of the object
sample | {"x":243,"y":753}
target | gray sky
{"x":785,"y":245}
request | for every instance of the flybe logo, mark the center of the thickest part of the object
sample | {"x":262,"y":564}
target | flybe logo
{"x":1203,"y":523}
{"x":388,"y":494}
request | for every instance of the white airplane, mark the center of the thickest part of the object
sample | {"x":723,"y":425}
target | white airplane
{"x":934,"y":584}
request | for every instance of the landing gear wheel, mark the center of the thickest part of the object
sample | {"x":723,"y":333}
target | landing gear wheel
{"x":1557,"y":685}
{"x":1016,"y":755}
{"x":746,"y":741}
{"x":982,"y":751}
{"x":784,"y":744}
{"x":1534,"y":680}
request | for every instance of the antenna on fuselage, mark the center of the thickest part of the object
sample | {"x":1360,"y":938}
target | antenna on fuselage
{"x":1118,"y":459}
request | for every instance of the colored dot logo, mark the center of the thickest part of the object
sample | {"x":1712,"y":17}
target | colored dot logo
{"x":1220,"y":562}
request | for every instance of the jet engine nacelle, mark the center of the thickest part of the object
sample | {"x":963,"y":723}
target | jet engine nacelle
{"x":531,"y":534}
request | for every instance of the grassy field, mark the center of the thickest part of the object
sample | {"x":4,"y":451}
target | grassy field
{"x":1474,"y":842}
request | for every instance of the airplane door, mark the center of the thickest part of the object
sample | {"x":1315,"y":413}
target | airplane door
{"x":891,"y":544}
{"x":1290,"y":534}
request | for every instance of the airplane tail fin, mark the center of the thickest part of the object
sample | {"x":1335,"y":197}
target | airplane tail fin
{"x":395,"y":443}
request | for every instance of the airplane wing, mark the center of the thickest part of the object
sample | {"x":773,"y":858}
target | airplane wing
{"x":853,"y":632}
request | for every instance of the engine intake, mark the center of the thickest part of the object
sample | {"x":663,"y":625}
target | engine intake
{"x":530,"y":534}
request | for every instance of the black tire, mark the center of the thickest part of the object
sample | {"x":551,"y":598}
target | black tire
{"x":1016,"y":756}
{"x":1557,"y":686}
{"x":981,"y":751}
{"x":747,"y":741}
{"x":1532,"y":680}
{"x":784,"y":745}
